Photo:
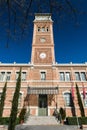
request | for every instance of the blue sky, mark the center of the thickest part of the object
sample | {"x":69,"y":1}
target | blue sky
{"x":70,"y":43}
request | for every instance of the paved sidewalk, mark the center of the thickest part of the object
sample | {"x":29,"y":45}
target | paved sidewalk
{"x":3,"y":127}
{"x":46,"y":127}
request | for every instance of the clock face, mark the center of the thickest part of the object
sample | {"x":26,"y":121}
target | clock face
{"x":42,"y":55}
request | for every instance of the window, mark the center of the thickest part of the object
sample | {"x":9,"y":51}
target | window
{"x":17,"y":74}
{"x":20,"y":99}
{"x":62,"y":77}
{"x":84,"y":100}
{"x":38,"y":29}
{"x":2,"y":76}
{"x":83,"y":76}
{"x":43,"y":75}
{"x":77,"y":75}
{"x":43,"y":29}
{"x":67,"y":76}
{"x":80,"y":76}
{"x":8,"y":75}
{"x":47,"y":29}
{"x":23,"y":77}
{"x":67,"y":98}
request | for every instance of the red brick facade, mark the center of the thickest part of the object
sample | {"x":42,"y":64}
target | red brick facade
{"x":44,"y":72}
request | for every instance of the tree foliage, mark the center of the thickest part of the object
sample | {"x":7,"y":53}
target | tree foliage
{"x":15,"y":15}
{"x":80,"y":102}
{"x":22,"y":114}
{"x":14,"y":109}
{"x":62,"y":113}
{"x":73,"y":106}
{"x":2,"y":101}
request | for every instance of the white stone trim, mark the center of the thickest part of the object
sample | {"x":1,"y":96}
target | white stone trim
{"x":15,"y":86}
{"x":67,"y":91}
{"x":43,"y":71}
{"x":33,"y":107}
{"x":15,"y":65}
{"x":6,"y":71}
{"x":29,"y":64}
{"x":6,"y":107}
{"x":51,"y":107}
{"x":58,"y":81}
{"x":21,"y":71}
{"x":75,"y":64}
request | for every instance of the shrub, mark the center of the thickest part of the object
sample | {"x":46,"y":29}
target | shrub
{"x":5,"y":121}
{"x":22,"y":115}
{"x":62,"y":113}
{"x":73,"y":120}
{"x":3,"y":96}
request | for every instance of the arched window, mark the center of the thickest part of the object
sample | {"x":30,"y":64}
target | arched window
{"x":43,"y":29}
{"x":84,"y":100}
{"x":67,"y":98}
{"x":47,"y":29}
{"x":38,"y":29}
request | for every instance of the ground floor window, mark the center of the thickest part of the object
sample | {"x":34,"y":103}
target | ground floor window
{"x":67,"y":98}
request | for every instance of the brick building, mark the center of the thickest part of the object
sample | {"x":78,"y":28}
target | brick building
{"x":45,"y":83}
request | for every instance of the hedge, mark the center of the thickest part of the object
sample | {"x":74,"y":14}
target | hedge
{"x":5,"y":121}
{"x":73,"y":120}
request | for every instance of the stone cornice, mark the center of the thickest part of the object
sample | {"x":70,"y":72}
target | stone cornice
{"x":36,"y":65}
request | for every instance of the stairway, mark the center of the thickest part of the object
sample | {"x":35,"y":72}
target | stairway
{"x":41,"y":120}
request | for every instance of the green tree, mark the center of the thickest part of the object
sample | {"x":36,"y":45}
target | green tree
{"x":22,"y":114}
{"x":80,"y":102}
{"x":3,"y":96}
{"x":62,"y":113}
{"x":14,"y":109}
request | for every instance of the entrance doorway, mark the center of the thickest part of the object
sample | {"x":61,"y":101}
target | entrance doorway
{"x":42,"y":104}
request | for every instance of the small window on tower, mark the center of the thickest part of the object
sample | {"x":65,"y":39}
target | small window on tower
{"x":38,"y":29}
{"x":47,"y":29}
{"x":43,"y":29}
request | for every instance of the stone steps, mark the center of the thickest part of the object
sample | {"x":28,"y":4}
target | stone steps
{"x":41,"y":120}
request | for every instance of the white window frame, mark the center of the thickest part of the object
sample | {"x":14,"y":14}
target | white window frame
{"x":80,"y":76}
{"x":84,"y":76}
{"x":23,"y":77}
{"x":8,"y":76}
{"x":67,"y":78}
{"x":2,"y":77}
{"x":64,"y":76}
{"x":67,"y":102}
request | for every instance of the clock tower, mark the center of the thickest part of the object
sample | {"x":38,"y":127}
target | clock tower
{"x":43,"y":43}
